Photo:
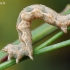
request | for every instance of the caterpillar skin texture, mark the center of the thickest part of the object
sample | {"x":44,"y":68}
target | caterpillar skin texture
{"x":23,"y":27}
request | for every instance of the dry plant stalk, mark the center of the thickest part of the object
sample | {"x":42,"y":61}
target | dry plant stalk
{"x":23,"y":27}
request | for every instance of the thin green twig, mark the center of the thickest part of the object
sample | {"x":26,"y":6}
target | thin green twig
{"x":53,"y":47}
{"x":43,"y":50}
{"x":56,"y":36}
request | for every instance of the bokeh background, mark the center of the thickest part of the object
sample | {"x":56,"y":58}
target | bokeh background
{"x":55,"y":60}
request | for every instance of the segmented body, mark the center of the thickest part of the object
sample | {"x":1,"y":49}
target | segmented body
{"x":23,"y":27}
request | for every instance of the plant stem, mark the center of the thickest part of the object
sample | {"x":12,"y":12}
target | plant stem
{"x":40,"y":32}
{"x":53,"y":47}
{"x":56,"y":36}
{"x":43,"y":50}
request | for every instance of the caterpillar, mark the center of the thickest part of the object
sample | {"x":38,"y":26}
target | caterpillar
{"x":27,"y":15}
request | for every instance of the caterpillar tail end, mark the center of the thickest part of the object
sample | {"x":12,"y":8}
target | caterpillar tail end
{"x":17,"y":51}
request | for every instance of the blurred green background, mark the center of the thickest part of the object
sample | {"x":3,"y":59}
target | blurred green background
{"x":54,"y":60}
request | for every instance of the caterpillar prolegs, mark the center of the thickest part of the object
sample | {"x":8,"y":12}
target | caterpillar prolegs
{"x":23,"y":27}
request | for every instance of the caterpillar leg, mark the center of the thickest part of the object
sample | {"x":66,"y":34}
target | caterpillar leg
{"x":64,"y":29}
{"x":25,"y":46}
{"x":17,"y":51}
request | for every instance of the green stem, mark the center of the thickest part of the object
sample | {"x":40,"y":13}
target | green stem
{"x":56,"y":36}
{"x":53,"y":47}
{"x":43,"y":50}
{"x":40,"y":32}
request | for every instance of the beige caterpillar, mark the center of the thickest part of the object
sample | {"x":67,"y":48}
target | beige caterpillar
{"x":23,"y":27}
